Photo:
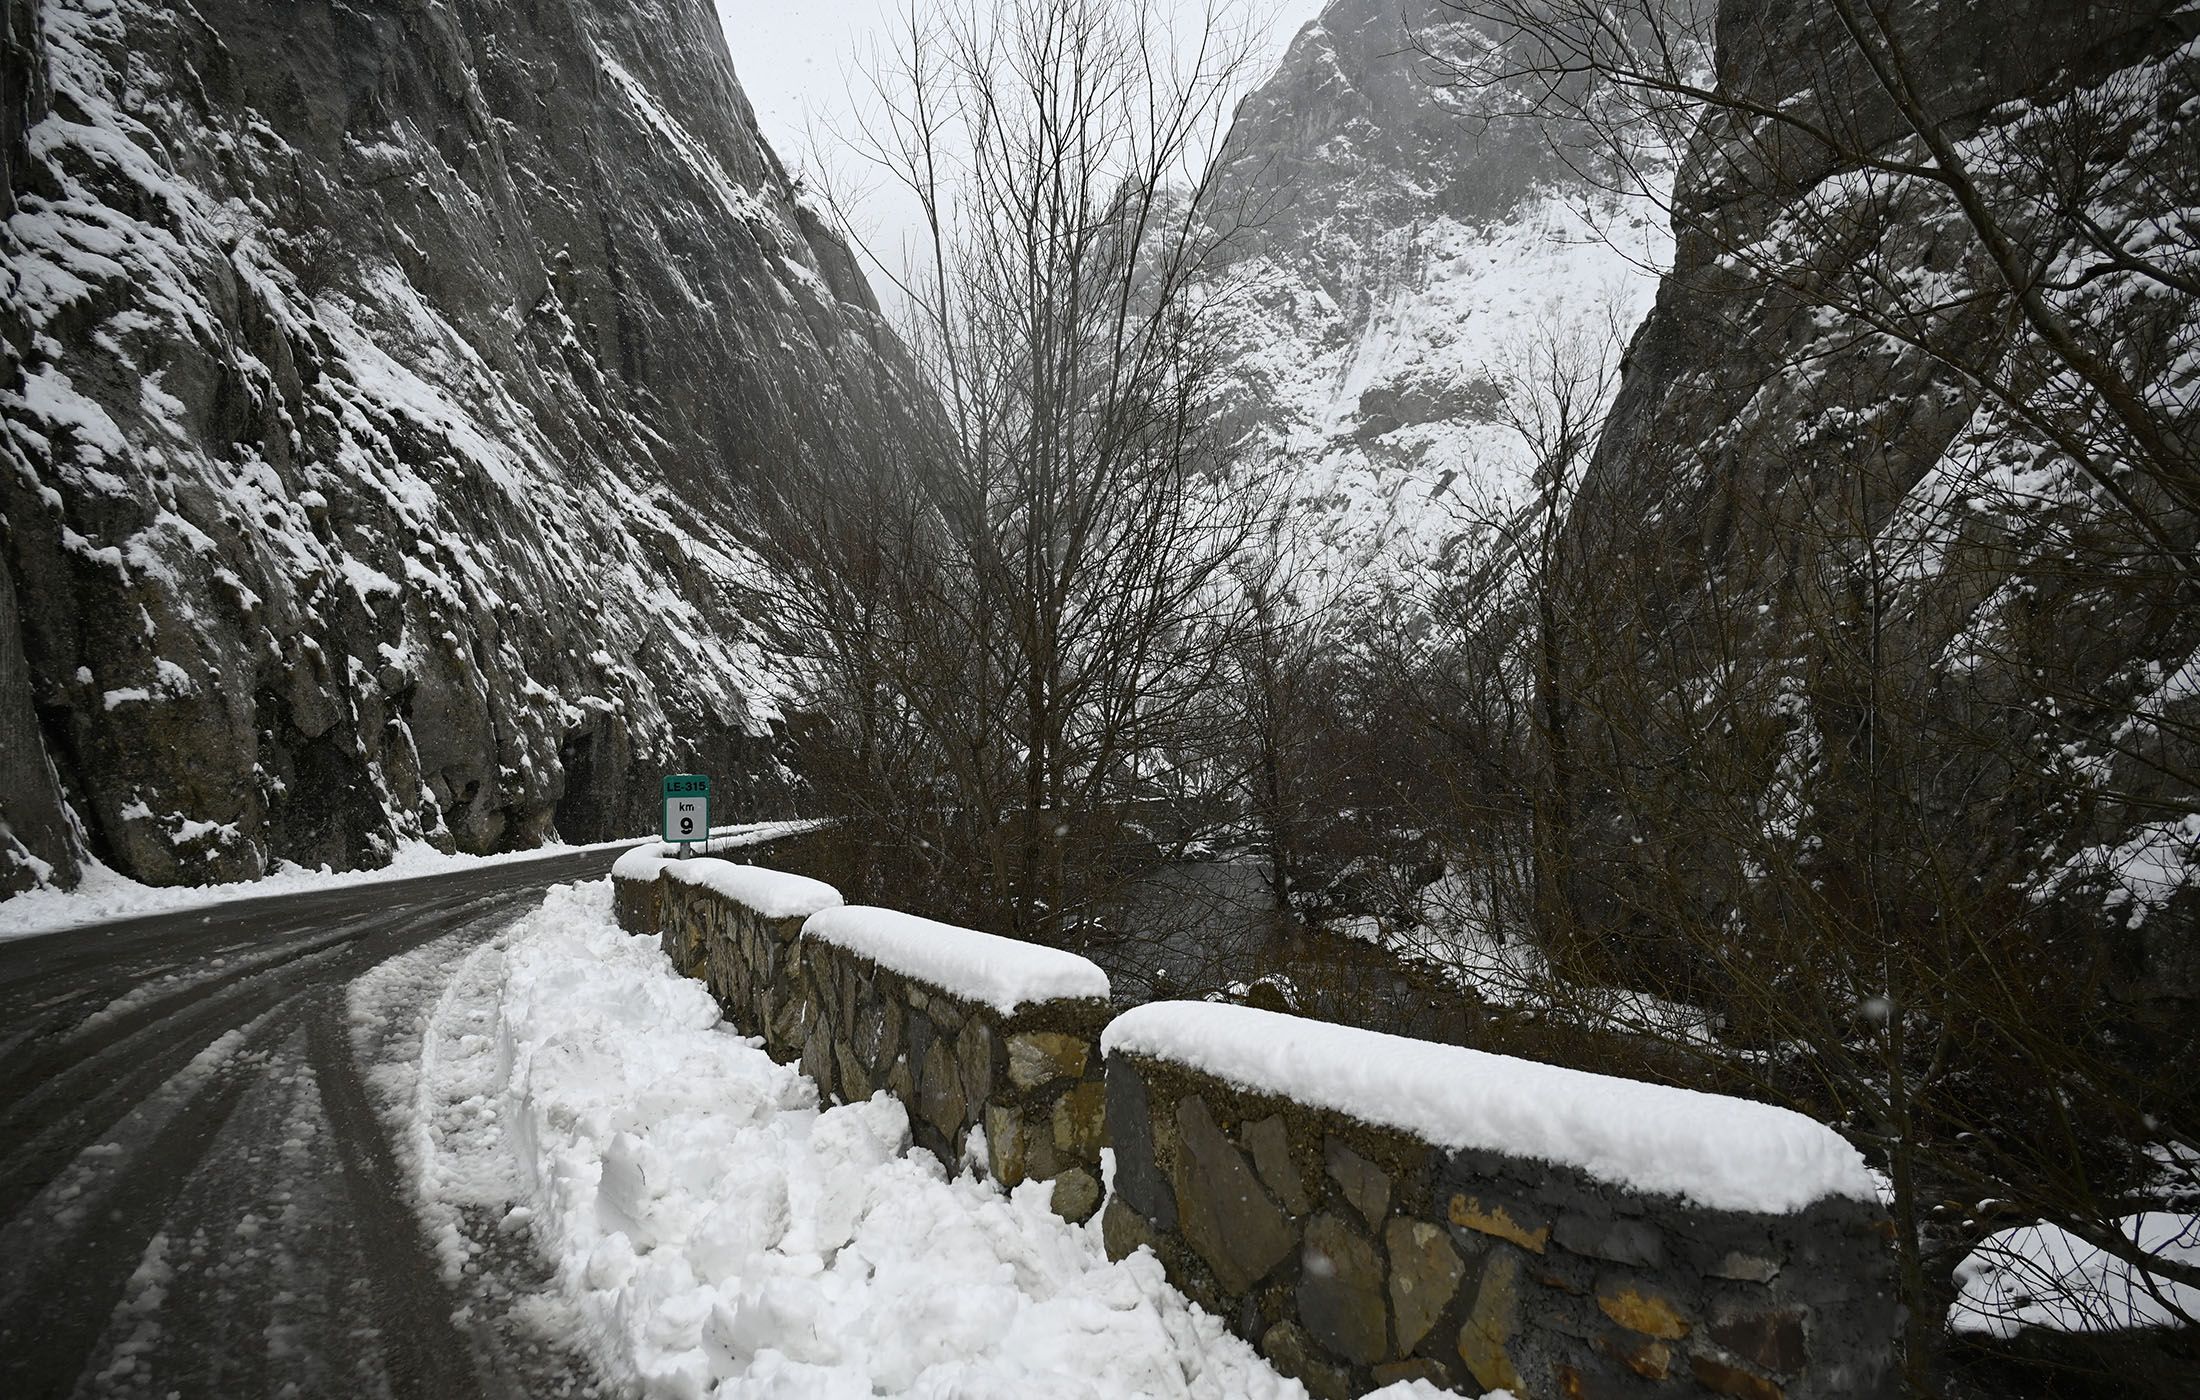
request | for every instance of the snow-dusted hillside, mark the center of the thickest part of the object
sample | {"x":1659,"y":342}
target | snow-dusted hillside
{"x":1840,"y":424}
{"x":1396,"y":253}
{"x":379,"y":387}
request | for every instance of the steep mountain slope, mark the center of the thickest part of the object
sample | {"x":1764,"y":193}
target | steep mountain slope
{"x":1869,"y":543}
{"x":381,"y":385}
{"x":1397,"y":251}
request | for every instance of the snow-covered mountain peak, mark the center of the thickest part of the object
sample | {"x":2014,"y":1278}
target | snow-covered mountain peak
{"x":1399,"y":248}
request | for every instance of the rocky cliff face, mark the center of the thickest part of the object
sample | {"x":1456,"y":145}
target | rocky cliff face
{"x":1397,"y":251}
{"x":1837,"y":546}
{"x":381,"y":387}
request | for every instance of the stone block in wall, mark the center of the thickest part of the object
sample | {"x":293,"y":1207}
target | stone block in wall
{"x":1365,"y":1208}
{"x":734,"y":926}
{"x":682,"y":929}
{"x":743,"y":959}
{"x":634,"y":905}
{"x":1222,"y":1210}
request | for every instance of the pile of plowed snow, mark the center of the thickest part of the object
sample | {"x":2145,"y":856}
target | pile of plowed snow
{"x":715,"y":1233}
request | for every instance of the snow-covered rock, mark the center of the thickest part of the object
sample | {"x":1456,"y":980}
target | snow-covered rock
{"x":379,"y":388}
{"x":2043,"y":1276}
{"x":1806,"y":450}
{"x":1394,"y":253}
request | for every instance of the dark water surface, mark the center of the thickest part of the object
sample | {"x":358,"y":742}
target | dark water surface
{"x":1178,"y":929}
{"x":1202,"y":928}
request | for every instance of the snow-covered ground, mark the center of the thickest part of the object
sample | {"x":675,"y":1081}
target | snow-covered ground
{"x":1456,"y":935}
{"x":2043,"y":1276}
{"x":716,"y":1233}
{"x":105,"y":894}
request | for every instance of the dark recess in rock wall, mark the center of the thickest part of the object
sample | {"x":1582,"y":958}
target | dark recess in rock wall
{"x":33,"y":831}
{"x":382,"y":385}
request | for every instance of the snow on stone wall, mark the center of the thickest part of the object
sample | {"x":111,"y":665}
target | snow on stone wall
{"x":971,"y":1037}
{"x":769,"y":894}
{"x":1004,"y":973}
{"x":1710,"y":1149}
{"x":1368,"y":1209}
{"x":1364,"y":1208}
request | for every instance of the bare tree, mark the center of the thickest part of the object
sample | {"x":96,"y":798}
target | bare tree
{"x":1050,"y":596}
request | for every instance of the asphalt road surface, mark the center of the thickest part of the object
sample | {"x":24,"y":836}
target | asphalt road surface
{"x":200,"y":1196}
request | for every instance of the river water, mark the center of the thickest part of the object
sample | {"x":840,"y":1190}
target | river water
{"x":1207,"y":928}
{"x":1186,"y":929}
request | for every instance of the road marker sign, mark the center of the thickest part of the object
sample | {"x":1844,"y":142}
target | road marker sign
{"x":687,"y":808}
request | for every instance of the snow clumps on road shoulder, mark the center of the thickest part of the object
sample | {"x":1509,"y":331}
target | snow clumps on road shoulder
{"x":719,"y":1236}
{"x":1725,"y":1153}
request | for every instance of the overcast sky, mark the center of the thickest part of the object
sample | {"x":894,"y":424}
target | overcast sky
{"x":795,"y":58}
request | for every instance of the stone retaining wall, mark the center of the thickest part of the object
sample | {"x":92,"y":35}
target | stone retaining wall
{"x":1351,"y":1254}
{"x":1354,"y":1256}
{"x":1031,"y":1079}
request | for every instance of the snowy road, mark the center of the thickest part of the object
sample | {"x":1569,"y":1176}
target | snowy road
{"x":199,"y":1195}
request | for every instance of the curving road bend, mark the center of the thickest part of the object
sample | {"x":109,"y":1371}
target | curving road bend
{"x":198,"y":1194}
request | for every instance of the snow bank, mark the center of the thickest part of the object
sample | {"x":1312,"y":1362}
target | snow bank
{"x":1728,"y":1154}
{"x":106,"y":895}
{"x":645,"y":860}
{"x":2043,"y":1276}
{"x":715,"y":1234}
{"x":1003,"y":973}
{"x":772,"y":893}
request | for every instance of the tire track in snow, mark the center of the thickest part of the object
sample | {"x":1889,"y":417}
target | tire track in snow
{"x":197,"y":1191}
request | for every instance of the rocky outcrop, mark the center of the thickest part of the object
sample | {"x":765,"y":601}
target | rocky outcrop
{"x":1392,"y":249}
{"x":1870,"y":598}
{"x":381,"y":389}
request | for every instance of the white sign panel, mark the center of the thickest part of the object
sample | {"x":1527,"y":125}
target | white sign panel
{"x":687,"y":818}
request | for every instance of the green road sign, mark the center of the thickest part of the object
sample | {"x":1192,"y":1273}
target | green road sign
{"x":687,"y":807}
